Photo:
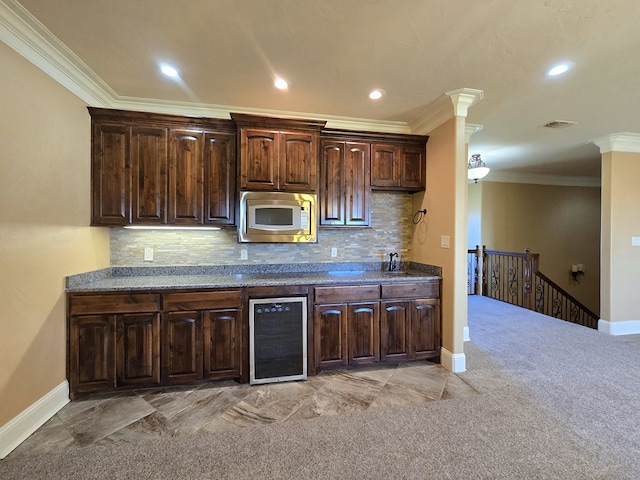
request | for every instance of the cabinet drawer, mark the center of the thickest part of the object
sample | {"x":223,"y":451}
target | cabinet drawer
{"x":116,"y":303}
{"x":202,"y":300}
{"x":411,"y":290}
{"x":352,"y":293}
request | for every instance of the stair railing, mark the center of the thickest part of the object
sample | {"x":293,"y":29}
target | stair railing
{"x":514,"y":278}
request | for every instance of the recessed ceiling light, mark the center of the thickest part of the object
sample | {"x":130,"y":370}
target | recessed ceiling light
{"x":376,"y":94}
{"x":559,"y":69}
{"x":169,"y":71}
{"x":281,"y":83}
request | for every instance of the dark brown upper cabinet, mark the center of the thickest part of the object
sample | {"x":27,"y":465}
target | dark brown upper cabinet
{"x":398,"y":166}
{"x":278,"y":154}
{"x":345,"y":188}
{"x":154,"y":169}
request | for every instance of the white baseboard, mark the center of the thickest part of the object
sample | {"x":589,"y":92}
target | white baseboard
{"x":629,"y":327}
{"x":454,"y":362}
{"x":18,"y":429}
{"x":465,"y":334}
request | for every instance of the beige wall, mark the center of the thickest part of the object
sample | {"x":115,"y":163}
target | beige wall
{"x":445,"y":199}
{"x":560,"y":223}
{"x":620,"y":222}
{"x":44,"y":233}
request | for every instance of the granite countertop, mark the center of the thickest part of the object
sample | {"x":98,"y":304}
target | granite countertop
{"x":234,"y":276}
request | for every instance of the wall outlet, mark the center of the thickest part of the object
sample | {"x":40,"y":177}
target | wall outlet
{"x":148,"y":254}
{"x":334,"y":252}
{"x":244,"y":254}
{"x":444,"y":241}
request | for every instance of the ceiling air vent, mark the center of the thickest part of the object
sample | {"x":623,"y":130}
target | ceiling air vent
{"x":558,"y":124}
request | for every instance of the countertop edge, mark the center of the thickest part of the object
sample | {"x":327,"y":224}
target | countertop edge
{"x":119,"y":279}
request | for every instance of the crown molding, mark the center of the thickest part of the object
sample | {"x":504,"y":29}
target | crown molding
{"x":27,"y":36}
{"x":542,"y":179}
{"x":224,"y":112}
{"x":451,"y":104}
{"x":619,"y":142}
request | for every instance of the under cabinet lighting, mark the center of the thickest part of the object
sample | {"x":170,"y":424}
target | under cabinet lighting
{"x":168,"y":227}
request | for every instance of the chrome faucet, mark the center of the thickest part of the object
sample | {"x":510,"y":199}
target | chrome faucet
{"x":392,"y":262}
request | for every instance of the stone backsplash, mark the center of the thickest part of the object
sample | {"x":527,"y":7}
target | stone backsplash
{"x":390,"y":232}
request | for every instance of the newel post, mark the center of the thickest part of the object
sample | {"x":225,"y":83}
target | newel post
{"x":479,"y":271}
{"x":483,"y":281}
{"x":527,"y":274}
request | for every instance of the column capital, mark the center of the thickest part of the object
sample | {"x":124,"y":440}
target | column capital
{"x":618,"y":142}
{"x":451,"y":104}
{"x":463,"y":98}
{"x":470,"y":129}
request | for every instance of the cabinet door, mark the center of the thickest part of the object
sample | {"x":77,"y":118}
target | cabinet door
{"x":219,"y":179}
{"x":185,"y":177}
{"x":222,"y":340}
{"x":149,"y":175}
{"x":258,"y":159}
{"x":332,"y":194}
{"x":110,"y":175}
{"x":298,"y":162}
{"x":138,"y":349}
{"x":357,"y":186}
{"x":425,"y":329}
{"x":330,"y":336}
{"x":92,"y":360}
{"x":364,"y":333}
{"x":395,"y":331}
{"x":181,"y":347}
{"x":384,"y":165}
{"x":412,"y":167}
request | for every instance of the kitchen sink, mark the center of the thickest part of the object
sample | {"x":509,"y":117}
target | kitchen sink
{"x":345,"y":273}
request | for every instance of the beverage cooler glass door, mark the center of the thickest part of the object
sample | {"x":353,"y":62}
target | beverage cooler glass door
{"x":277,"y":339}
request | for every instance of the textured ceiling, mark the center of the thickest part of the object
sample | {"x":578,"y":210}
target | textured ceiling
{"x":334,"y":51}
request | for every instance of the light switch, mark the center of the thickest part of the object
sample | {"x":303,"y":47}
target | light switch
{"x":444,"y":241}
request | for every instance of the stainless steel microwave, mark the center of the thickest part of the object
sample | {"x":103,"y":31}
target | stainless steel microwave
{"x":277,"y":217}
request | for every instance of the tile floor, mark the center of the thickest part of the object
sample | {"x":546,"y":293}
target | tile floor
{"x":144,"y":414}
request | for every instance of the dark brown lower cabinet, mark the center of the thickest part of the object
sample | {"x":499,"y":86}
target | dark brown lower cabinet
{"x":113,"y":350}
{"x":144,"y":339}
{"x":346,"y":334}
{"x":363,"y":332}
{"x":137,"y":349}
{"x":92,"y":353}
{"x":410,"y":330}
{"x":113,"y":341}
{"x":181,"y":347}
{"x":330,"y":336}
{"x":395,"y":331}
{"x":425,"y":329}
{"x":222,"y":343}
{"x":119,"y":341}
{"x":204,"y":343}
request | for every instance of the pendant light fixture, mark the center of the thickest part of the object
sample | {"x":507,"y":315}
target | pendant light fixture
{"x":477,"y":168}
